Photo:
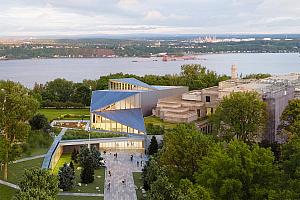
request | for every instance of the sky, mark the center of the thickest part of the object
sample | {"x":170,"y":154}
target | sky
{"x":89,"y":17}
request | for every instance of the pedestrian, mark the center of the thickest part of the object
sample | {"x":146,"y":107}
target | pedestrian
{"x":109,"y":173}
{"x":108,"y":187}
{"x":141,"y":163}
{"x":137,"y":163}
{"x":116,"y":155}
{"x":131,"y":158}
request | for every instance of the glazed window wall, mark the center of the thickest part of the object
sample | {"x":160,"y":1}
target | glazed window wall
{"x":124,"y":86}
{"x":122,"y":145}
{"x":103,"y":123}
{"x":128,"y":103}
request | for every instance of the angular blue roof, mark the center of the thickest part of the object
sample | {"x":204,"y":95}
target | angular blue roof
{"x":103,"y":98}
{"x":134,"y":81}
{"x":128,"y":117}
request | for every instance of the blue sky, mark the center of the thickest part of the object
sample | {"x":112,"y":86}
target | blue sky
{"x":82,"y":17}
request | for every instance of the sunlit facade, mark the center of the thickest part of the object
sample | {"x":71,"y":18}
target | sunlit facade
{"x":122,"y":108}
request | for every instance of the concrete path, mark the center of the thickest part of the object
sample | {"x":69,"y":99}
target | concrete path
{"x":29,"y":158}
{"x":9,"y":184}
{"x":121,"y":169}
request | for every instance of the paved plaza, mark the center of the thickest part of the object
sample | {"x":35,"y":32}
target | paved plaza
{"x":119,"y":184}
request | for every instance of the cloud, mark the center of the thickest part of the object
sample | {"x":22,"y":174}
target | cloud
{"x":61,"y":17}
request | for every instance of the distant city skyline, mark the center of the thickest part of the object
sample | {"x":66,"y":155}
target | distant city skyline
{"x":92,"y":17}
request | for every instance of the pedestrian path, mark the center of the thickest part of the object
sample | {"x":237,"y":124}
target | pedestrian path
{"x":29,"y":158}
{"x":119,"y":183}
{"x":9,"y":184}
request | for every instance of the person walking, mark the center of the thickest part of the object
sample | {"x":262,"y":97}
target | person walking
{"x":137,"y":163}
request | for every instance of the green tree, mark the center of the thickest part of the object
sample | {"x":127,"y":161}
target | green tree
{"x":290,"y":118}
{"x":58,"y":90}
{"x":241,"y":115}
{"x":16,"y":108}
{"x":153,"y":147}
{"x":237,"y":171}
{"x":74,"y":155}
{"x":66,"y":177}
{"x":97,"y":159}
{"x":87,"y":173}
{"x":81,"y":94}
{"x":83,"y":155}
{"x":38,"y":184}
{"x":39,"y":121}
{"x":183,"y":148}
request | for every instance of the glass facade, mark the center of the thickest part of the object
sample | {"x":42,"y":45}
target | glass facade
{"x":135,"y":144}
{"x":124,"y":86}
{"x":128,"y":103}
{"x":103,"y":123}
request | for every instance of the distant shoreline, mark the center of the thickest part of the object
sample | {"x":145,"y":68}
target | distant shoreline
{"x":157,"y":57}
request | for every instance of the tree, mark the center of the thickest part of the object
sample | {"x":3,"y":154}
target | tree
{"x":58,"y":90}
{"x":241,"y":115}
{"x":66,"y":177}
{"x":184,"y":146}
{"x":290,"y":118}
{"x":96,"y":155}
{"x":72,"y":166}
{"x":74,"y":155}
{"x":38,"y":122}
{"x":81,"y":94}
{"x":83,"y":155}
{"x":87,"y":173}
{"x":16,"y":108}
{"x":153,"y":147}
{"x":38,"y":184}
{"x":238,"y":171}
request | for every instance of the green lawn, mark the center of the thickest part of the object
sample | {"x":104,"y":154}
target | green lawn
{"x":52,"y":113}
{"x":90,"y":188}
{"x":6,"y":192}
{"x":138,"y":181}
{"x":157,"y":121}
{"x":16,"y":171}
{"x":35,"y":152}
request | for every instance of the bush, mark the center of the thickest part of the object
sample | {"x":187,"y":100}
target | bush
{"x":38,"y":122}
{"x":155,"y":129}
{"x":81,"y":134}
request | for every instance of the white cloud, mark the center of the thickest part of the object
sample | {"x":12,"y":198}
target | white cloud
{"x":60,"y":17}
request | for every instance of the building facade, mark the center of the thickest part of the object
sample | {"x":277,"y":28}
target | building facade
{"x":122,"y":108}
{"x":276,"y":91}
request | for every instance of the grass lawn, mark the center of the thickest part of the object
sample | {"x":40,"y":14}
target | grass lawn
{"x":78,"y":198}
{"x":90,"y":188}
{"x":6,"y":192}
{"x":35,"y":152}
{"x":157,"y":121}
{"x":138,"y":181}
{"x":16,"y":171}
{"x":52,"y":113}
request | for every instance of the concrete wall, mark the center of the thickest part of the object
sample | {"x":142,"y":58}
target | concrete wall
{"x":149,"y":99}
{"x":276,"y":103}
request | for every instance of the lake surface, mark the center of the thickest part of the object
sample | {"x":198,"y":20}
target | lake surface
{"x":42,"y":70}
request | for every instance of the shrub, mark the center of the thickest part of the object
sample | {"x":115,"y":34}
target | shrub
{"x":38,"y":122}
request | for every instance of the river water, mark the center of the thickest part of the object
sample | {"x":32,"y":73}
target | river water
{"x":30,"y":71}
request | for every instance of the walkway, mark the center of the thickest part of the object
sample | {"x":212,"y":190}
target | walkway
{"x":9,"y":184}
{"x":121,"y":169}
{"x":29,"y":158}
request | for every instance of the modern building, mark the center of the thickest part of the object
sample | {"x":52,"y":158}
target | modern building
{"x":122,"y":108}
{"x":276,"y":91}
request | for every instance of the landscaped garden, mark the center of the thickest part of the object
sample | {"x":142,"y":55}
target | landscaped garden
{"x":53,"y":113}
{"x":156,"y":126}
{"x":81,"y":134}
{"x":84,"y":188}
